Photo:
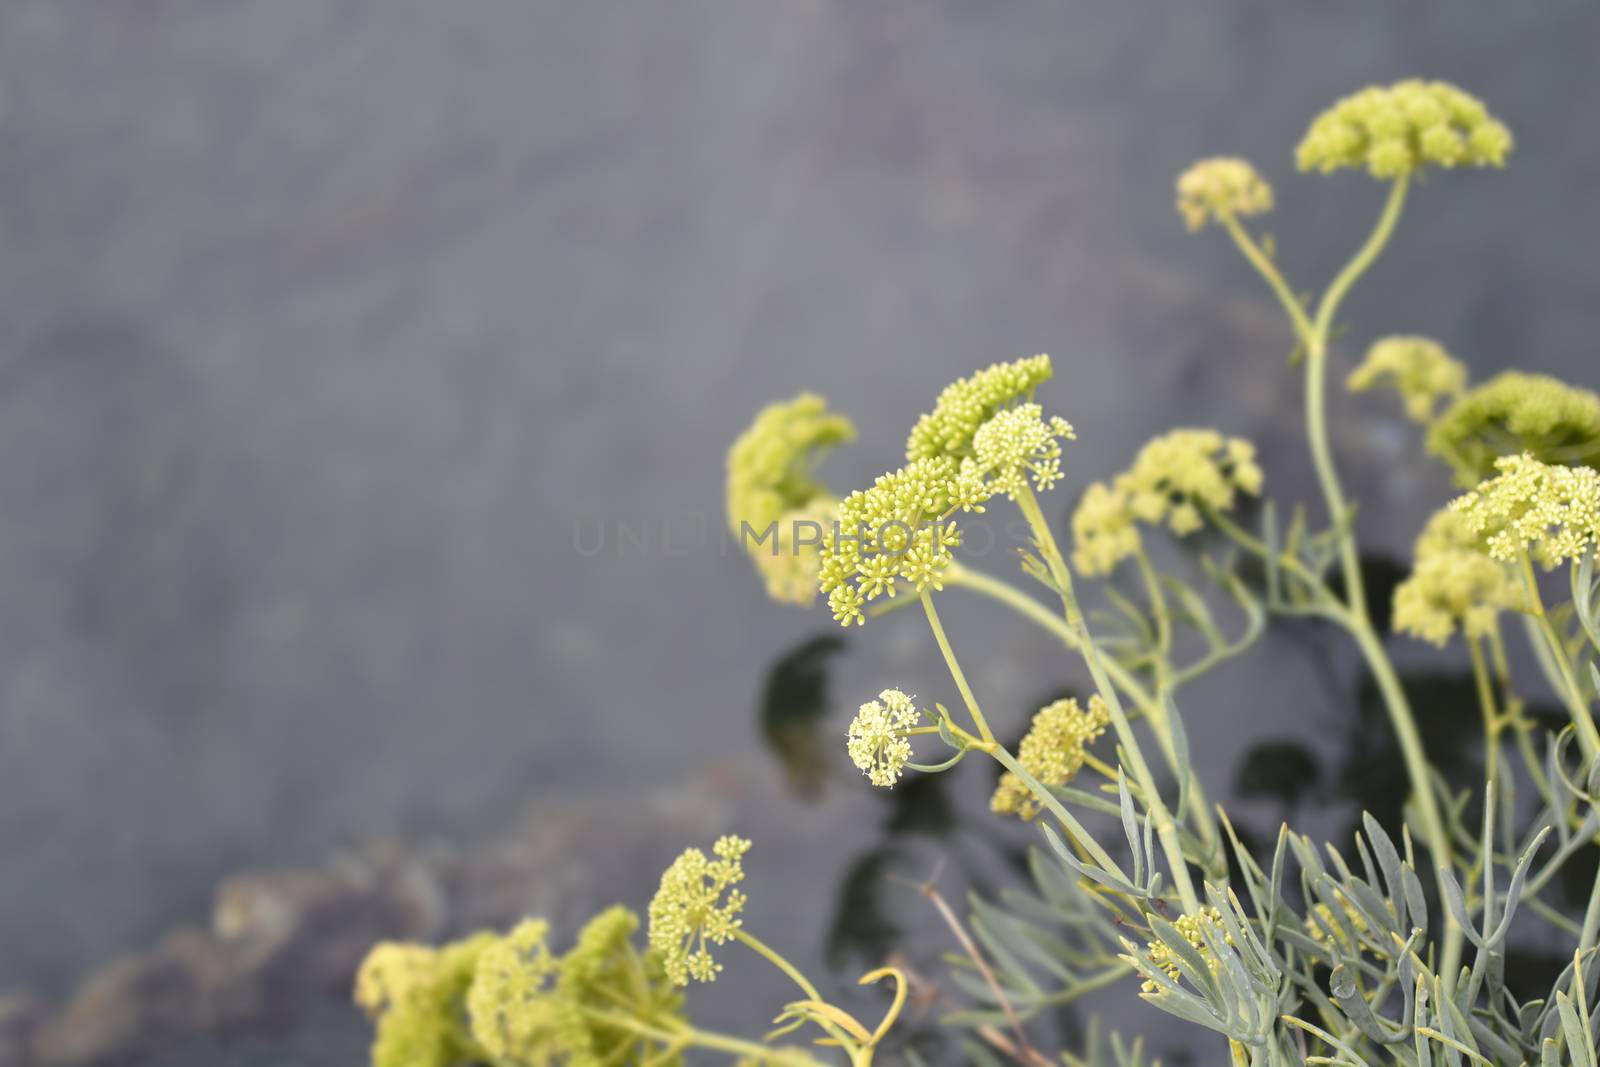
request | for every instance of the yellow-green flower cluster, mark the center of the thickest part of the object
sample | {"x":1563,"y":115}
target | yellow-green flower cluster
{"x":1401,"y":129}
{"x":876,"y":739}
{"x":1515,"y":412}
{"x":509,"y":999}
{"x":1453,"y":583}
{"x":772,"y":480}
{"x":1052,"y":751}
{"x":1174,"y":479}
{"x":965,"y":405}
{"x":414,"y":994}
{"x":509,"y":1002}
{"x":1189,"y":926}
{"x":1550,"y":512}
{"x":1015,"y":446}
{"x":898,"y":530}
{"x":1418,"y":368}
{"x":1222,"y":186}
{"x":696,"y":906}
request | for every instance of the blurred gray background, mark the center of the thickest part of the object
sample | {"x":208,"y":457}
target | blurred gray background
{"x":324,"y":326}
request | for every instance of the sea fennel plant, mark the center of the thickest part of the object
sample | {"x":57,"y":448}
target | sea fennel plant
{"x":1390,"y":949}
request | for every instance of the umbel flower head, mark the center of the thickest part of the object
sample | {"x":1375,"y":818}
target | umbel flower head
{"x":1550,"y":512}
{"x":697,"y":906}
{"x":1515,"y":412}
{"x":1418,"y":368}
{"x":1052,"y":751}
{"x":1014,"y":447}
{"x":772,"y":484}
{"x":876,"y":739}
{"x":509,"y":1001}
{"x":1174,"y":479}
{"x":1398,"y":130}
{"x":898,"y":530}
{"x":965,"y":405}
{"x":1453,"y":583}
{"x":1215,"y":188}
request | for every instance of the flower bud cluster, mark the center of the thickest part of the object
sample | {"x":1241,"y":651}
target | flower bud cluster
{"x":1398,"y":130}
{"x":1174,"y":479}
{"x":1222,"y":186}
{"x":1417,"y":368}
{"x":772,"y":483}
{"x":1189,"y":926}
{"x":1453,"y":583}
{"x":1052,"y":752}
{"x":965,"y":405}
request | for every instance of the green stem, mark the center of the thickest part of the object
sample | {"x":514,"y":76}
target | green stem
{"x":1572,"y":694}
{"x":1154,"y":711}
{"x":1289,"y":562}
{"x":1591,"y":920}
{"x":1316,"y":407}
{"x":1405,"y":730}
{"x":1270,"y":273}
{"x":1158,"y":607}
{"x":772,"y":956}
{"x":1493,"y":723}
{"x":679,"y":1034}
{"x":955,"y":668}
{"x":1068,"y":821}
{"x":1166,"y":829}
{"x":1357,"y":619}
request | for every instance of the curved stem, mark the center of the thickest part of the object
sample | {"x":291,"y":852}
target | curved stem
{"x":1316,"y":413}
{"x":1154,"y":711}
{"x":1271,"y":275}
{"x":1362,"y":259}
{"x":1037,"y":613}
{"x":1252,"y":544}
{"x":955,"y":668}
{"x":772,"y":956}
{"x":1572,"y":692}
{"x":680,"y":1035}
{"x":1166,"y":829}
